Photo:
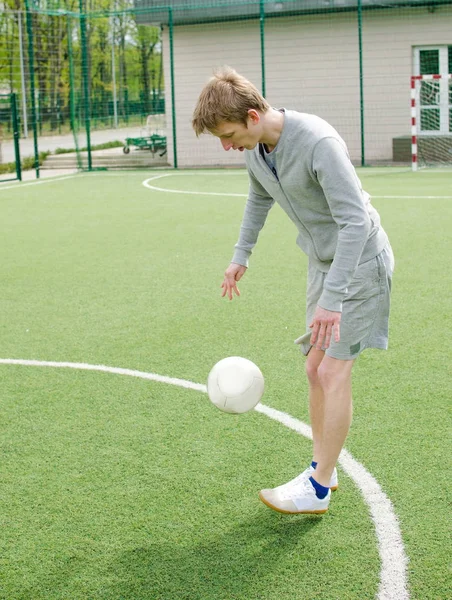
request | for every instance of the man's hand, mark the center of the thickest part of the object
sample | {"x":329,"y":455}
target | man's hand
{"x":232,"y":274}
{"x":323,"y":324}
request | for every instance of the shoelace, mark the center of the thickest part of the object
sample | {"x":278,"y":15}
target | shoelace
{"x":304,"y":488}
{"x":296,"y":480}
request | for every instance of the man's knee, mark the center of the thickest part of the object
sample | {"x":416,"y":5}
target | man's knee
{"x":312,"y":372}
{"x":326,"y":377}
{"x":314,"y":360}
{"x":333,"y":374}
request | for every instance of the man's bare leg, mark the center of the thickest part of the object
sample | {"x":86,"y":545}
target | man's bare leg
{"x":330,"y":405}
{"x":336,"y":383}
{"x":316,"y":399}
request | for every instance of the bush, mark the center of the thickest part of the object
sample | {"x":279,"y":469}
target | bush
{"x":27,"y":163}
{"x":105,"y":146}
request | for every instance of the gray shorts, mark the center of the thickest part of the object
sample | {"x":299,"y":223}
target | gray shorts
{"x":365,"y":309}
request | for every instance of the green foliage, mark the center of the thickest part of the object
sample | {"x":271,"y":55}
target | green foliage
{"x":104,"y":146}
{"x":7,"y":168}
{"x":27,"y":163}
{"x":115,"y":40}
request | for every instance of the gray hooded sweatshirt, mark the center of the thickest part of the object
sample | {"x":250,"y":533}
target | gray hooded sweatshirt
{"x":315,"y":183}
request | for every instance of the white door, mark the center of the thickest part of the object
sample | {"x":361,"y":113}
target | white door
{"x":435,"y":98}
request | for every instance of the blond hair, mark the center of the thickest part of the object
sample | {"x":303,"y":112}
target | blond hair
{"x":226,"y":97}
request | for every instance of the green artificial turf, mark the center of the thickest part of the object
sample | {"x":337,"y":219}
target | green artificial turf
{"x":115,"y":487}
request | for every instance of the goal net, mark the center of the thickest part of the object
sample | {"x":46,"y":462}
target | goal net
{"x":431,"y":121}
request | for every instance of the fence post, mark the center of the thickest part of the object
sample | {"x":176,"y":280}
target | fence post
{"x":22,"y":73}
{"x":72,"y":116}
{"x":361,"y":86}
{"x":16,"y":134}
{"x":32,"y":84}
{"x":173,"y":95}
{"x":85,"y":82}
{"x":262,"y":30}
{"x":113,"y":73}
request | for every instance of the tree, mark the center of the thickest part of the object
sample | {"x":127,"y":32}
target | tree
{"x":57,"y":43}
{"x":147,"y":39}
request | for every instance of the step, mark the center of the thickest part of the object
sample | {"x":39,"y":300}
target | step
{"x":117,"y":160}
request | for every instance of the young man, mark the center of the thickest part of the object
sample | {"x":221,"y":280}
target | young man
{"x":301,"y":162}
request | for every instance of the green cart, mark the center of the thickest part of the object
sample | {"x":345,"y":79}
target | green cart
{"x":155,"y":143}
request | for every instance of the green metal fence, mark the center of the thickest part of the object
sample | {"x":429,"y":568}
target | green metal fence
{"x":9,"y":127}
{"x":114,"y":86}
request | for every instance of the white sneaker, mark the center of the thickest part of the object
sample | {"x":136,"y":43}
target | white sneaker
{"x":309,"y":472}
{"x":295,"y":497}
{"x":334,"y":484}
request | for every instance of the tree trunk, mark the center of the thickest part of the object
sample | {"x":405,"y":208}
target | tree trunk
{"x":144,"y":57}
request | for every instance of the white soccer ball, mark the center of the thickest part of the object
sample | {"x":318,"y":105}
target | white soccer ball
{"x":235,"y":385}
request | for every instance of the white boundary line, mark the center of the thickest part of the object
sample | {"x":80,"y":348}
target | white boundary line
{"x":415,"y":197}
{"x":393,"y":579}
{"x":158,"y":189}
{"x":19,"y":185}
{"x":171,"y":191}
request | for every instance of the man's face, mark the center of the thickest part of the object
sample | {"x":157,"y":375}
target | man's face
{"x":236,"y":136}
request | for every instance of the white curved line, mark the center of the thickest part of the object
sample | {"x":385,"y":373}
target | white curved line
{"x":393,"y":580}
{"x":104,"y":369}
{"x":171,"y":191}
{"x":19,"y":185}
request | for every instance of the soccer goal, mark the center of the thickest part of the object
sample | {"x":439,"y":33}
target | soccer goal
{"x":431,"y":121}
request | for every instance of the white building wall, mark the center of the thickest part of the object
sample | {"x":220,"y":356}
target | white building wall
{"x":312,"y":65}
{"x":198,"y":49}
{"x":389,"y":39}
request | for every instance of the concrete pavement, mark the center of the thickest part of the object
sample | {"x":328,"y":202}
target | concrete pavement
{"x":51,"y":143}
{"x":30,"y":175}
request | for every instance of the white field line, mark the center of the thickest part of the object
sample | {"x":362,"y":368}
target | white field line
{"x":433,"y":171}
{"x":147,"y":184}
{"x":19,"y":185}
{"x":415,"y":197}
{"x":104,"y":369}
{"x":158,"y":189}
{"x":167,"y":171}
{"x":183,"y":173}
{"x":393,"y":581}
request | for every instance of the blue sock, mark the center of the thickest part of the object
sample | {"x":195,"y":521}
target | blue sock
{"x":313,"y":464}
{"x":320,"y":490}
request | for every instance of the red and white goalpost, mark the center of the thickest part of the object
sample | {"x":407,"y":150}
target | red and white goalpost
{"x":438,"y":134}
